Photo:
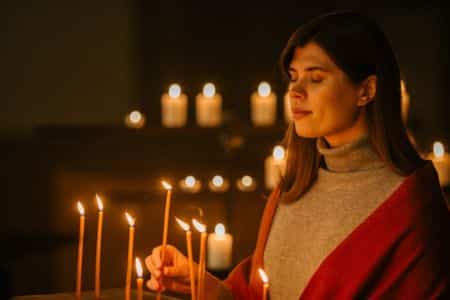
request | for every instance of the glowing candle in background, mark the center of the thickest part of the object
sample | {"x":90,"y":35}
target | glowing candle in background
{"x":80,"y":250}
{"x":131,"y":223}
{"x":190,"y":184}
{"x":441,"y":162}
{"x":187,"y":229}
{"x":135,"y":119}
{"x":139,"y":279}
{"x":263,"y":106}
{"x":265,"y":281}
{"x":202,"y":261}
{"x":174,"y":107}
{"x":218,"y":184}
{"x":220,"y":245}
{"x":246,"y":184}
{"x":209,"y":107}
{"x":274,"y":167}
{"x":99,"y":246}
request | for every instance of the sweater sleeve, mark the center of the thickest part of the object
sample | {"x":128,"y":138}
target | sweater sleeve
{"x":238,"y":280}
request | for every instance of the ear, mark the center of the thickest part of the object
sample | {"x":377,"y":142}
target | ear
{"x":367,"y":90}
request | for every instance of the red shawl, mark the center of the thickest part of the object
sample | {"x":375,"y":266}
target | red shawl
{"x":401,"y":251}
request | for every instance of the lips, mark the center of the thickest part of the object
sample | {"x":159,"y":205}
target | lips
{"x":300,"y":113}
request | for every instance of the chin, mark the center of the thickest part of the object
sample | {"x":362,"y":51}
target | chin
{"x":306,"y":132}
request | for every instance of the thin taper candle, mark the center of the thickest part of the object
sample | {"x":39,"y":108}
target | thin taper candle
{"x":187,"y":228}
{"x":139,"y":279}
{"x":168,"y":188}
{"x":80,"y":250}
{"x":202,"y":258}
{"x":131,"y":230}
{"x":265,"y":281}
{"x":99,"y":247}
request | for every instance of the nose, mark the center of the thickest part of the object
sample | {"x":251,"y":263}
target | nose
{"x":297,"y":94}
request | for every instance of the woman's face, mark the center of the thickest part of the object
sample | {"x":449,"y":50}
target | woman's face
{"x":323,"y":98}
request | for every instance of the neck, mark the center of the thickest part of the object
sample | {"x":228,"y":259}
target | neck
{"x":355,"y":132}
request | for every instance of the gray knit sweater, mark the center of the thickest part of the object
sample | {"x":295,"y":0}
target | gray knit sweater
{"x":353,"y":184}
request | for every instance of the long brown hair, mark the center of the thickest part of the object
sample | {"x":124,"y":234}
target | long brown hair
{"x":360,"y":48}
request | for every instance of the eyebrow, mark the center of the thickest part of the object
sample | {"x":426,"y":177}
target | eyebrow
{"x":309,"y":69}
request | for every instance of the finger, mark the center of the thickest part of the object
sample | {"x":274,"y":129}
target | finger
{"x":153,"y":270}
{"x":156,"y":257}
{"x":175,"y":271}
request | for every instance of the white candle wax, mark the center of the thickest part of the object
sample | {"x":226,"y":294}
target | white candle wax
{"x":287,"y":109}
{"x":219,"y":250}
{"x":263,"y":106}
{"x":174,"y":107}
{"x":274,"y":167}
{"x":209,"y":107}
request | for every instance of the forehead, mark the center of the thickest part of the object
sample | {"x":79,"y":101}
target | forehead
{"x":309,"y":55}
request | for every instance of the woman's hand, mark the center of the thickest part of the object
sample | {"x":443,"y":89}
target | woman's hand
{"x":175,"y":276}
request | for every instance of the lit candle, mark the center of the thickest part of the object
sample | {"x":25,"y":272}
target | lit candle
{"x":220,"y":246}
{"x":218,"y":184}
{"x":135,"y":119}
{"x":265,"y":281}
{"x":287,"y":108}
{"x":168,"y":188}
{"x":274,"y":167}
{"x":174,"y":107}
{"x":202,"y":261}
{"x":187,"y":229}
{"x":190,"y":184}
{"x":246,"y":184}
{"x":131,"y":222}
{"x":99,"y":246}
{"x":441,"y":162}
{"x":139,"y":279}
{"x":80,"y":250}
{"x":209,"y":107}
{"x":263,"y":106}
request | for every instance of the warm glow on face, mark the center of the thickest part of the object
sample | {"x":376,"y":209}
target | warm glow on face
{"x":166,"y":185}
{"x":278,"y":153}
{"x":80,"y":208}
{"x":139,"y":270}
{"x":130,"y":219}
{"x":190,"y":181}
{"x":174,"y":90}
{"x":263,"y":276}
{"x":217,"y":181}
{"x":135,"y":117}
{"x":199,"y":226}
{"x":219,"y":229}
{"x":247,"y":181}
{"x":438,"y":149}
{"x":264,"y":89}
{"x":183,"y":225}
{"x":99,"y":202}
{"x":209,"y":90}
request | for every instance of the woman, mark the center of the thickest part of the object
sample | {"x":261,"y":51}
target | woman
{"x":358,"y":214}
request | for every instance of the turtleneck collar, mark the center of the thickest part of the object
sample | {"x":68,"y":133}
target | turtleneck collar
{"x":358,"y":155}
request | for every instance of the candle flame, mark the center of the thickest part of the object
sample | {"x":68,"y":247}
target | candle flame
{"x":217,"y":181}
{"x":135,"y":117}
{"x":264,"y":89}
{"x":209,"y":90}
{"x":199,"y":226}
{"x":99,"y":202}
{"x":263,"y":276}
{"x":166,"y":185}
{"x":219,"y":229}
{"x":139,"y":270}
{"x":247,"y":181}
{"x":278,"y":153}
{"x":438,"y":149}
{"x":190,"y":181}
{"x":80,"y":208}
{"x":130,"y":219}
{"x":183,"y":225}
{"x":174,"y":90}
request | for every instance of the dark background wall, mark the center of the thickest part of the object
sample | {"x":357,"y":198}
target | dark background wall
{"x":71,"y":71}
